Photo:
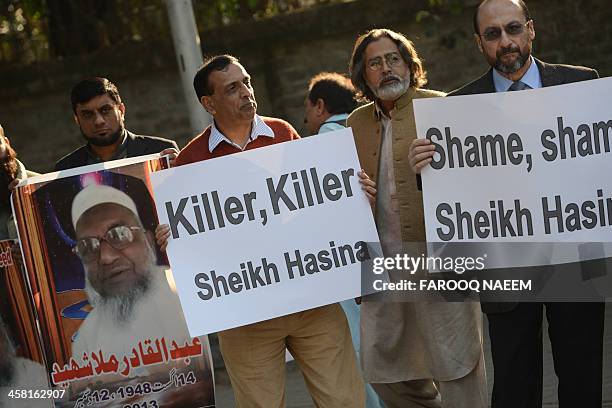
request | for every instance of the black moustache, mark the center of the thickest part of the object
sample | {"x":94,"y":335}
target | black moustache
{"x":504,"y":52}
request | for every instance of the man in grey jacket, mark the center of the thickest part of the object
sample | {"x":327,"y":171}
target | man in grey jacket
{"x":100,"y":114}
{"x":504,"y":31}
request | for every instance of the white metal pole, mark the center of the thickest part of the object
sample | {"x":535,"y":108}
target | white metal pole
{"x":189,"y":57}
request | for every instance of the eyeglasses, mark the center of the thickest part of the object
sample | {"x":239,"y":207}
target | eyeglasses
{"x":119,"y":237}
{"x":393,"y":59}
{"x":105,"y":111}
{"x":512,"y":29}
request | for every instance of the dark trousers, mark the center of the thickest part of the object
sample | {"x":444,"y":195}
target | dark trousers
{"x":576,"y":335}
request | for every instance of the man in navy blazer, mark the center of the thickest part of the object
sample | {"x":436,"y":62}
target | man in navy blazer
{"x":99,"y":113}
{"x":504,"y":32}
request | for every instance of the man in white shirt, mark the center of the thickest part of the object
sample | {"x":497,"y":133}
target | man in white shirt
{"x":331,"y":97}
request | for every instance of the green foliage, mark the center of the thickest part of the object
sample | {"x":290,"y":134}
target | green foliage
{"x":22,"y":26}
{"x":34,"y":30}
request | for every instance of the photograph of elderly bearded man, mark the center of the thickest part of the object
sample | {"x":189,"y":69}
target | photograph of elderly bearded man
{"x":110,"y":315}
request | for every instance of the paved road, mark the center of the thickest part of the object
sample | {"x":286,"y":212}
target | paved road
{"x":297,"y":396}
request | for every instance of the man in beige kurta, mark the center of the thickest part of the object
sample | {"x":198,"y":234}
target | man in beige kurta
{"x":423,"y":353}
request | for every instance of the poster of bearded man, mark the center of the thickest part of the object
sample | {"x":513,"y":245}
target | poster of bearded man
{"x":111,"y":321}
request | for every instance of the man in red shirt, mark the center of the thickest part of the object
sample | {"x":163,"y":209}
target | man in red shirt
{"x":319,"y":339}
{"x":224,"y":88}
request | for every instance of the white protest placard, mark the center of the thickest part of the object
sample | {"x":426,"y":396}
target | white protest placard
{"x":266,"y":232}
{"x":531,"y":166}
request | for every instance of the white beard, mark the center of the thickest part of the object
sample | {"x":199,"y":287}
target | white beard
{"x":121,"y":308}
{"x":393,"y":91}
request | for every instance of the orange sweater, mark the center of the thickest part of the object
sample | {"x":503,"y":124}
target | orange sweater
{"x":197,"y":149}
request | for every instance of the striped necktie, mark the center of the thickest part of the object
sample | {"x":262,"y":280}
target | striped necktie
{"x":518,"y":86}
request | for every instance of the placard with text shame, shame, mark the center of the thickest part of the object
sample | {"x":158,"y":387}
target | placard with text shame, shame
{"x":531,"y":166}
{"x":266,"y":232}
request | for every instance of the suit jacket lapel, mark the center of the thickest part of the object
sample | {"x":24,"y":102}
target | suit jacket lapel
{"x":547,"y":74}
{"x":488,"y":86}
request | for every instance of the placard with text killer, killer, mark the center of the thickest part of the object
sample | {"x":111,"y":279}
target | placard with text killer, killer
{"x":529,"y":166}
{"x":266,"y":232}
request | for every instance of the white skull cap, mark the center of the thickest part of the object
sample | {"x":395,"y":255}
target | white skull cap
{"x":95,"y":194}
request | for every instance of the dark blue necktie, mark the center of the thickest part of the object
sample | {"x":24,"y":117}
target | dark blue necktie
{"x":518,"y":86}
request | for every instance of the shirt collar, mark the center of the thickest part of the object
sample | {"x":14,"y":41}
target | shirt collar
{"x":336,"y":118}
{"x":258,"y":128}
{"x":531,"y":78}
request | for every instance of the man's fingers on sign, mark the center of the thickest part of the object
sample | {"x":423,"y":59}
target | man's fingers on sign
{"x":368,"y":185}
{"x":420,"y":154}
{"x":162,"y":234}
{"x":171,"y":152}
